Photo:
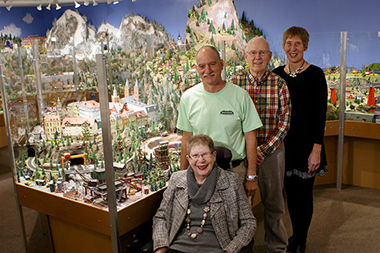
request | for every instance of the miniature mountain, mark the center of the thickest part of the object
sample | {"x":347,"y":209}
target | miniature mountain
{"x":136,"y":32}
{"x":72,"y":29}
{"x":213,"y":22}
{"x":109,"y":29}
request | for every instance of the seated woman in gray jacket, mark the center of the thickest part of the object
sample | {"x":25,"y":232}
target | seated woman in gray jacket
{"x":204,"y":208}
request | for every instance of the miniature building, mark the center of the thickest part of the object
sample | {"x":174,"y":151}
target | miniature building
{"x":150,"y":110}
{"x":115,"y":97}
{"x":73,"y":110}
{"x":52,"y":125}
{"x":142,"y":118}
{"x":28,"y":41}
{"x":74,"y":126}
{"x":135,"y":105}
{"x":84,"y":109}
{"x":89,"y":109}
{"x":88,"y":199}
{"x":116,"y":122}
{"x":126,"y":89}
{"x":162,"y":155}
{"x":136,"y":91}
{"x":37,"y":133}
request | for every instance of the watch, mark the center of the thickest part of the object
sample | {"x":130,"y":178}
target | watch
{"x":253,"y":178}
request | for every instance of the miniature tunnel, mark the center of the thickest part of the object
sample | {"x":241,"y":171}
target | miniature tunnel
{"x":31,"y":152}
{"x":77,"y":161}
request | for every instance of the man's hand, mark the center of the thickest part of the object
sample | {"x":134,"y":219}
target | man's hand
{"x":250,"y":187}
{"x":260,"y":158}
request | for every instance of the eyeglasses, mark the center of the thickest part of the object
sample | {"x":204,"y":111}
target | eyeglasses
{"x":254,"y":53}
{"x":198,"y":156}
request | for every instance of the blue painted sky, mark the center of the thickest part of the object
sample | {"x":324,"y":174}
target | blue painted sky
{"x":324,"y":19}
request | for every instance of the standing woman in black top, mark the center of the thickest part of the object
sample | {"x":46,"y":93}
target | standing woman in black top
{"x":304,"y":151}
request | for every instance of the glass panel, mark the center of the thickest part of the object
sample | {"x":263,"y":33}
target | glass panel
{"x":362,"y":86}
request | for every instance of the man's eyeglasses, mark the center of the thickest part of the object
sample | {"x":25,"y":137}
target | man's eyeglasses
{"x":254,"y":53}
{"x":198,"y":156}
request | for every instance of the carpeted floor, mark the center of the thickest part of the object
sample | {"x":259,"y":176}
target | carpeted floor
{"x":344,"y":221}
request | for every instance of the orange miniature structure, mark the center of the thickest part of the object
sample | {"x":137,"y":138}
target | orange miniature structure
{"x":67,"y":157}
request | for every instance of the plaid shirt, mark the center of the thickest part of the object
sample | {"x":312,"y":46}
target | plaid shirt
{"x":272,"y":100}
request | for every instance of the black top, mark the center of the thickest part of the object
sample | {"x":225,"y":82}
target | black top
{"x":308,"y":94}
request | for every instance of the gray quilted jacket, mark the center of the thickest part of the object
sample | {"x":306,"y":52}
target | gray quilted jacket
{"x":230,"y":213}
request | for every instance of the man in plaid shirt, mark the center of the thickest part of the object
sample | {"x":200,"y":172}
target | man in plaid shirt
{"x":270,"y":95}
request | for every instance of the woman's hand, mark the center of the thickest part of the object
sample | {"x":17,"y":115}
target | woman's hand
{"x":160,"y":250}
{"x":314,"y":160}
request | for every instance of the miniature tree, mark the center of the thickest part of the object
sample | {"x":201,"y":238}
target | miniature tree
{"x":50,"y":150}
{"x":125,"y":155}
{"x":86,"y":132}
{"x":135,"y":159}
{"x":37,"y":174}
{"x":52,"y":178}
{"x":151,"y":187}
{"x":117,"y":126}
{"x":119,"y":158}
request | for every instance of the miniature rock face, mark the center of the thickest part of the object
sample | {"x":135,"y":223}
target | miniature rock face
{"x":201,"y":160}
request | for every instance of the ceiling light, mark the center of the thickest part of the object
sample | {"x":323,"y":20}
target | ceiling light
{"x":39,"y":7}
{"x":76,"y":4}
{"x":86,"y":3}
{"x":48,"y":7}
{"x":57,"y":7}
{"x":94,"y":3}
{"x":115,"y":2}
{"x":9,"y":7}
{"x":109,"y":1}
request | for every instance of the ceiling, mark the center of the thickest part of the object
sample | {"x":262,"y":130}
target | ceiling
{"x":44,"y":3}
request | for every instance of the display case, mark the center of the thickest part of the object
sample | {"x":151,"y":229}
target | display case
{"x":92,"y":145}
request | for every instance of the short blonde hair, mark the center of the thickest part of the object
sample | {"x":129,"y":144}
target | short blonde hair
{"x":296,"y":31}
